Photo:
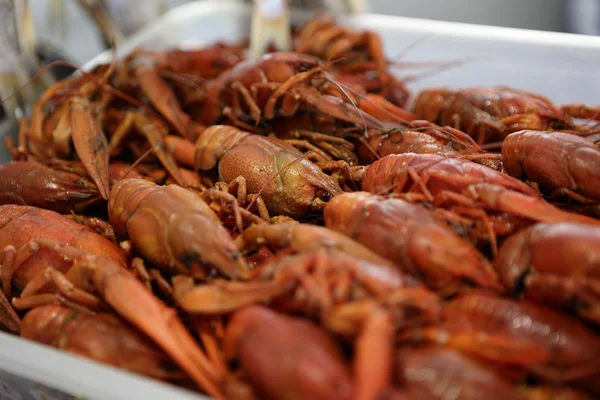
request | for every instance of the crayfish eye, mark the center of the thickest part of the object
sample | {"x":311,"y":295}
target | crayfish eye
{"x":325,"y":196}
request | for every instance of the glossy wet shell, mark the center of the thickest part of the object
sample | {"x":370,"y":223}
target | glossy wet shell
{"x":554,"y":160}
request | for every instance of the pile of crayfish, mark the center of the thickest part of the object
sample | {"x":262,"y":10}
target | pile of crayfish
{"x":293,"y":227}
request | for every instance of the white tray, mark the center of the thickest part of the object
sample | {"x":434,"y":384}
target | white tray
{"x":560,"y":66}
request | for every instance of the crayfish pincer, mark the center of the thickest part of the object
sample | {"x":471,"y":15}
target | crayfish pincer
{"x":34,"y":184}
{"x":173,"y":228}
{"x":288,"y":183}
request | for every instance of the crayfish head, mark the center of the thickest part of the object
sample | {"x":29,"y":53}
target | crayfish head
{"x":307,"y":188}
{"x":318,"y":193}
{"x":321,"y":199}
{"x":200,"y":244}
{"x":431,"y":103}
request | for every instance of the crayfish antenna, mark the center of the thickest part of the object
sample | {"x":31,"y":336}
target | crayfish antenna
{"x":377,"y":106}
{"x":373,"y":122}
{"x":441,"y":67}
{"x":437,"y":66}
{"x":408,"y":48}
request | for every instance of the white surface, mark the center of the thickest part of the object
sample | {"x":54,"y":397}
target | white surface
{"x":558,"y":65}
{"x":526,"y":14}
{"x":80,"y":377}
{"x":561,"y":66}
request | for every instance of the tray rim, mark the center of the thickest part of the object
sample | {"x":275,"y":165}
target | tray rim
{"x":78,"y":376}
{"x":429,"y":26}
{"x":42,"y":364}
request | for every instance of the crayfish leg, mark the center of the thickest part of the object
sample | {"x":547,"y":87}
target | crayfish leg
{"x":288,"y":86}
{"x":139,"y":268}
{"x":240,"y":89}
{"x":155,"y":137}
{"x":8,"y":316}
{"x":180,"y":148}
{"x":62,"y":284}
{"x":207,"y":333}
{"x":520,"y":122}
{"x":314,"y":153}
{"x":261,"y":207}
{"x":228,"y":202}
{"x":219,"y":298}
{"x":98,"y":225}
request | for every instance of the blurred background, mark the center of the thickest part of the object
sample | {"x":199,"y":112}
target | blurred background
{"x":78,"y":30}
{"x":69,"y":27}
